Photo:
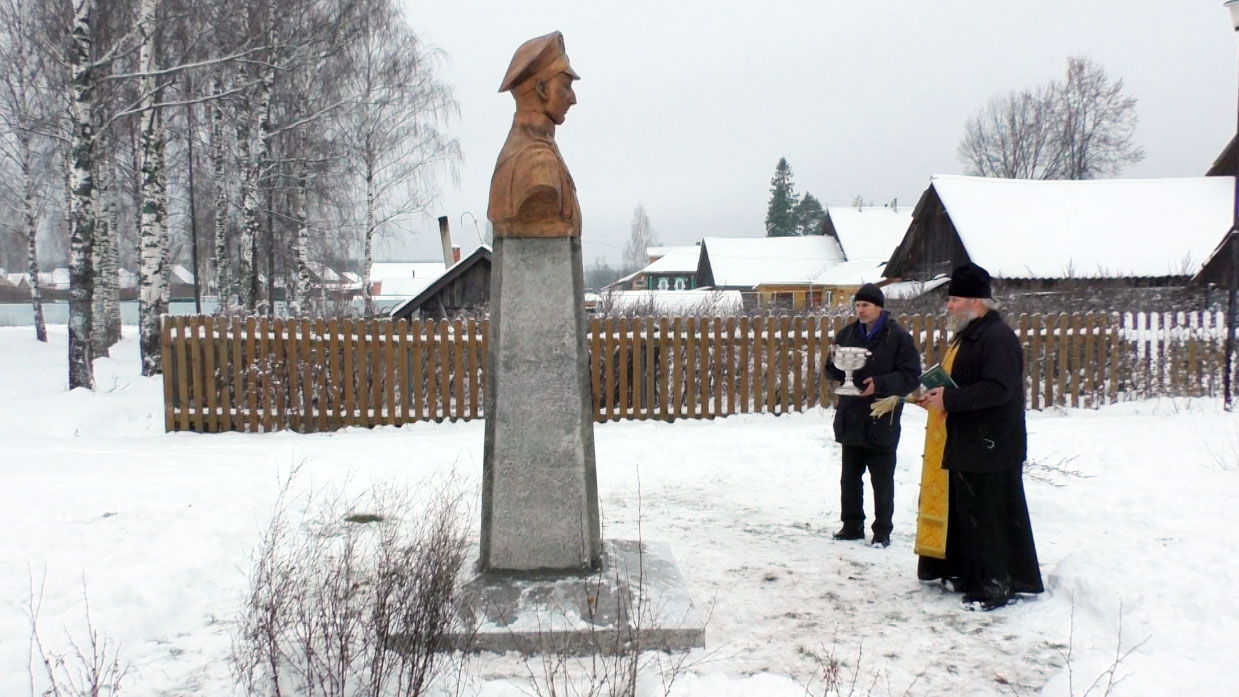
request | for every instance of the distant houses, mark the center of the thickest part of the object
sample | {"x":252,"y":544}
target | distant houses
{"x":1071,"y":242}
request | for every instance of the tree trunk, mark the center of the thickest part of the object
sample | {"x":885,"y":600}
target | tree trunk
{"x":103,"y":238}
{"x":111,"y":263}
{"x":223,"y":279}
{"x":300,"y":304}
{"x":152,"y":215}
{"x":81,"y":215}
{"x":31,"y":223}
{"x":367,"y":261}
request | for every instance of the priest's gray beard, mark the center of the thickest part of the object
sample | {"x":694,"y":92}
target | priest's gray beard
{"x":957,"y":323}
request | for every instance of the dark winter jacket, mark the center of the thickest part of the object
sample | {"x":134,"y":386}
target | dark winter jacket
{"x":895,"y":367}
{"x":985,"y":429}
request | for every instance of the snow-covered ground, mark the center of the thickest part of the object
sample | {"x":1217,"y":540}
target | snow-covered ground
{"x":1135,"y":509}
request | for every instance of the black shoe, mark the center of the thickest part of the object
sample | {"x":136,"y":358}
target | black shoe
{"x":973,"y":601}
{"x":846,"y":533}
{"x":881,"y":541}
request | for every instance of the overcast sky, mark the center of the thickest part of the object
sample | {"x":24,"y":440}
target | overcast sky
{"x":686,"y":105}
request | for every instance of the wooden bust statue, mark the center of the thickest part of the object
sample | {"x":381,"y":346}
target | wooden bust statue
{"x":531,"y":192}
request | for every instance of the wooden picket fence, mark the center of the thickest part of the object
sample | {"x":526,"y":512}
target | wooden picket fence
{"x":254,"y":374}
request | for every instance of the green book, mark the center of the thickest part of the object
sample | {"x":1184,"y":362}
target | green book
{"x":937,"y":376}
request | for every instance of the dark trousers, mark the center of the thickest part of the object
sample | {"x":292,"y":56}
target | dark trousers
{"x":881,"y":466}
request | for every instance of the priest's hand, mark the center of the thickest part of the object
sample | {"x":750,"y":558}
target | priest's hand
{"x":868,"y":391}
{"x":933,"y":398}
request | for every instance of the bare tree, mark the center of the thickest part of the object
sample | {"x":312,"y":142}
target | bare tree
{"x":1077,"y":128}
{"x":640,"y":237}
{"x":393,"y":134}
{"x":1014,"y":137}
{"x":1097,"y":123}
{"x":24,"y":112}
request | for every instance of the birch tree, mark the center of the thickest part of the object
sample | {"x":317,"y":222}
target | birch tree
{"x":24,"y":113}
{"x":640,"y":238}
{"x":152,"y":229}
{"x":394,"y":134}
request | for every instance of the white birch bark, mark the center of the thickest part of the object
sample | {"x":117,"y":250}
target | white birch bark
{"x":111,"y":263}
{"x":254,"y":148}
{"x":81,"y":186}
{"x":223,"y":277}
{"x":31,"y":224}
{"x":153,"y":213}
{"x":103,"y":237}
{"x":301,"y":304}
{"x":367,"y":261}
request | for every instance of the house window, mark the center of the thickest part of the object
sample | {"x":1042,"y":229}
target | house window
{"x":663,"y":284}
{"x":680,"y":284}
{"x":785,"y":300}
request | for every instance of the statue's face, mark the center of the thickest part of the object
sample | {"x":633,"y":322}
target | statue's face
{"x":559,"y":97}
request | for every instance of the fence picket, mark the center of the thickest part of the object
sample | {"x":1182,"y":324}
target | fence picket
{"x":475,"y":392}
{"x":690,"y":367}
{"x":445,"y":388}
{"x":651,"y":366}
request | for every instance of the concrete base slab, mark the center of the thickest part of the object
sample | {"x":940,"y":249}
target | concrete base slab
{"x":638,"y":600}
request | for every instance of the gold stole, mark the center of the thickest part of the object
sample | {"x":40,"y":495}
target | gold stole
{"x":934,"y":504}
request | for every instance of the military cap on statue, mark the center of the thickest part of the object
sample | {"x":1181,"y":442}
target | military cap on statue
{"x":537,"y":59}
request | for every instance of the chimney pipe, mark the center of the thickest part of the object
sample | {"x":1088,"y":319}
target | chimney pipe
{"x":446,"y":236}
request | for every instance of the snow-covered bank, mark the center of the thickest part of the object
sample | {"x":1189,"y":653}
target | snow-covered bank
{"x":1133,"y":504}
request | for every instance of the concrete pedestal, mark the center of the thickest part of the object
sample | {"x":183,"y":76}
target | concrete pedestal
{"x":540,"y":490}
{"x":636,"y":600}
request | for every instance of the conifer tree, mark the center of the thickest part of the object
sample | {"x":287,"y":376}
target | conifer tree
{"x":810,"y":216}
{"x":781,"y":212}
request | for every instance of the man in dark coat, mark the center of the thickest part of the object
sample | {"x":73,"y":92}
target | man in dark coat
{"x":990,"y":554}
{"x":869,"y":443}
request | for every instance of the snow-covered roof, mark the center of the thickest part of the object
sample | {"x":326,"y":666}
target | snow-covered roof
{"x":325,"y":273}
{"x":852,"y":273}
{"x":18,"y":278}
{"x":869,"y":232}
{"x":58,"y":277}
{"x":179,"y":273}
{"x":906,"y":290}
{"x":676,"y":260}
{"x":128,"y":279}
{"x":662,"y":251}
{"x":655,"y":301}
{"x":1018,"y":228}
{"x":405,"y":279}
{"x":751,"y":261}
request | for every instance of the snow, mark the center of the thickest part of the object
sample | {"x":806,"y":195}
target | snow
{"x":852,"y":273}
{"x":1133,"y":507}
{"x":1104,"y":227}
{"x":724,"y":302}
{"x":675,"y":260}
{"x":869,"y":232}
{"x":746,"y":262}
{"x":907,"y":290}
{"x":400,"y":281}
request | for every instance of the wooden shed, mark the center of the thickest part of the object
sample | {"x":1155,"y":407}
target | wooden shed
{"x":462,"y":289}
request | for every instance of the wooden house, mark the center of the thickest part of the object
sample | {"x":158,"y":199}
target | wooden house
{"x":771,"y":272}
{"x":1054,"y":236}
{"x":463,"y":289}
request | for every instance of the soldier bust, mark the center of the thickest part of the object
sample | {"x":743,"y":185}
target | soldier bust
{"x":531,"y":192}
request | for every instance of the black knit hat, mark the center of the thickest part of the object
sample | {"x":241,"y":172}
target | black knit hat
{"x":871,"y":294}
{"x":970,"y":281}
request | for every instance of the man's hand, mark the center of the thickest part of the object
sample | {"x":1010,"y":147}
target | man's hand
{"x":933,"y":398}
{"x":868,"y":388}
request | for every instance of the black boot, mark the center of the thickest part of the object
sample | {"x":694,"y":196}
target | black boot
{"x":848,"y":532}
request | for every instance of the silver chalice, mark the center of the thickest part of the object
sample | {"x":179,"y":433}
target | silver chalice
{"x":847,"y":359}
